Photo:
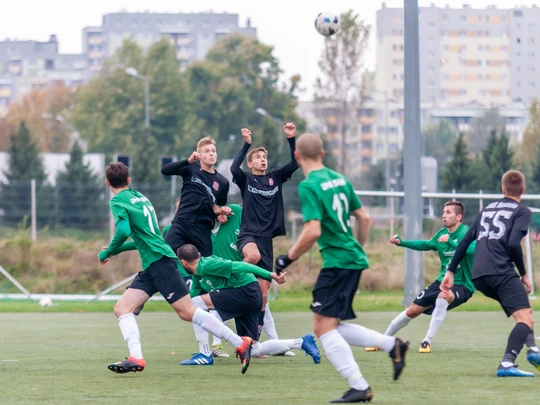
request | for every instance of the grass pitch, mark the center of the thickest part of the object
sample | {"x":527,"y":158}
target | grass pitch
{"x":61,"y":358}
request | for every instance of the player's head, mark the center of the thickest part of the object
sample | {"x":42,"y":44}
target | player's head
{"x":452,"y":213}
{"x":513,"y":184}
{"x":309,"y":147}
{"x":189,"y":256}
{"x":257,"y":160}
{"x":117,"y":175}
{"x":207,"y":149}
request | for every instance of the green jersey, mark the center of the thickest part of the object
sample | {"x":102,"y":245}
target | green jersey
{"x":214,"y":273}
{"x":183,"y":272}
{"x":225,"y":239}
{"x":445,"y":250}
{"x":135,"y":208}
{"x":328,"y":197}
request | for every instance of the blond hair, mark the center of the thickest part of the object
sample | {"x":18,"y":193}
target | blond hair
{"x":253,"y":151}
{"x":207,"y":140}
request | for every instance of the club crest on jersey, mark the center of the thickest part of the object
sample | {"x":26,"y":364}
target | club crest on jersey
{"x":271,"y":182}
{"x":215,"y":185}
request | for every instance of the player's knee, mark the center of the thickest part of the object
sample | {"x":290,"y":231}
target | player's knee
{"x":120,"y":309}
{"x":413,"y":311}
{"x":185,"y":312}
{"x":252,"y":256}
{"x":448,"y":296}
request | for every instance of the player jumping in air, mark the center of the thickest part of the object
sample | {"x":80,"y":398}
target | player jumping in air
{"x":263,"y":217}
{"x":135,"y":216}
{"x":432,"y":301}
{"x":328,"y":200}
{"x":498,"y":231}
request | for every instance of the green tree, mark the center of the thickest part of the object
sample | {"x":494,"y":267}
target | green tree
{"x":457,"y":174}
{"x":536,"y":169}
{"x":25,"y":164}
{"x":79,"y":194}
{"x":440,"y":141}
{"x":531,"y":136}
{"x":481,"y":128}
{"x":498,"y":157}
{"x":342,"y":84}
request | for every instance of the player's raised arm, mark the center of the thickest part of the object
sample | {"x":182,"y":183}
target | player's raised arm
{"x":239,"y":177}
{"x":180,"y":167}
{"x":287,"y":171}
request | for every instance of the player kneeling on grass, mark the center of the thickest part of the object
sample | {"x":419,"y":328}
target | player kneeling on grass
{"x":432,"y":301}
{"x":232,"y":289}
{"x":135,"y":216}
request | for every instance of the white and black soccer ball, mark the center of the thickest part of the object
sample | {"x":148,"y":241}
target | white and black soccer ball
{"x":45,"y":302}
{"x":327,"y":24}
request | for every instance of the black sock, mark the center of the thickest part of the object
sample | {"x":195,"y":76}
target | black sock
{"x":530,"y":342}
{"x":516,"y":340}
{"x":261,"y":322}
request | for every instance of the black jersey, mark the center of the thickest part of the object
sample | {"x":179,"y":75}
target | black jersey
{"x":498,"y":231}
{"x":201,"y":190}
{"x":263,"y":213}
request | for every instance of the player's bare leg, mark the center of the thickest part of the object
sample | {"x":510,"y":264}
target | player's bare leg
{"x":123,"y":310}
{"x":400,"y":321}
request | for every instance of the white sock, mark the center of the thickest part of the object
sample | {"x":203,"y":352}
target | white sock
{"x":357,"y":335}
{"x":269,"y":326}
{"x":437,"y":317}
{"x":215,"y":340}
{"x":275,"y":346}
{"x":212,"y":325}
{"x":202,"y":338}
{"x":399,"y":322}
{"x":130,"y":331}
{"x":340,"y":355}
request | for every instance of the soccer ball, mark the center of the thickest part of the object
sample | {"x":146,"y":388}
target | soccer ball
{"x":45,"y":302}
{"x":327,"y":24}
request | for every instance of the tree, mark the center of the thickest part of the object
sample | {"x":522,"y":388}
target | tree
{"x":341,"y":64}
{"x":79,"y":193}
{"x":24,"y":165}
{"x":498,"y":157}
{"x":536,"y":169}
{"x":457,"y":174}
{"x":481,"y":128}
{"x":43,"y":112}
{"x":531,"y":136}
{"x":440,"y":141}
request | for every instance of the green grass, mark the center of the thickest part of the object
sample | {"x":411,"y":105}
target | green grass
{"x":287,"y":301}
{"x":61,"y":358}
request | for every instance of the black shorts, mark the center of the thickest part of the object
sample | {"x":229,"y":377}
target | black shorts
{"x":243,"y":304}
{"x":334,"y":293}
{"x":428,"y":296}
{"x":182,"y":233}
{"x":506,"y":289}
{"x":164,"y":277}
{"x":265,"y":246}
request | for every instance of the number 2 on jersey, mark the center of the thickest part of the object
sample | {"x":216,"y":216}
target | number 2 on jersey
{"x":342,"y":209}
{"x":151,"y":215}
{"x":496,"y":222}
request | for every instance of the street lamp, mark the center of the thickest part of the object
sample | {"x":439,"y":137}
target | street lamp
{"x":265,"y":113}
{"x":133,"y":72}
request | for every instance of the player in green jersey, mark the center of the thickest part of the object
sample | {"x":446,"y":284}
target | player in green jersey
{"x":225,"y":237}
{"x":432,"y":301}
{"x":232,"y":289}
{"x":135,"y":216}
{"x":328,"y":200}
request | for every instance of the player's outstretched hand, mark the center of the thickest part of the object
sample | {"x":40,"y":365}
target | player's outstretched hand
{"x":282,"y":262}
{"x":246,"y":134}
{"x":290,"y":130}
{"x":279,"y":278}
{"x":527,"y":283}
{"x":447,"y":281}
{"x":103,"y":258}
{"x":194,"y":157}
{"x":444,"y":238}
{"x":394,"y":240}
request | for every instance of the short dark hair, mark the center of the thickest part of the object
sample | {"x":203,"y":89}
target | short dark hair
{"x":117,"y":174}
{"x":188,"y":253}
{"x":514,"y":183}
{"x":459,"y":209}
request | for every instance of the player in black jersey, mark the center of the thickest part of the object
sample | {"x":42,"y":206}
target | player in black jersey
{"x":203,"y":198}
{"x":263,"y":216}
{"x":498,"y":231}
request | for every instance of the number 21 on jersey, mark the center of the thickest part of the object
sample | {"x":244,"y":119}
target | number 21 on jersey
{"x":340,"y":205}
{"x":150,"y":213}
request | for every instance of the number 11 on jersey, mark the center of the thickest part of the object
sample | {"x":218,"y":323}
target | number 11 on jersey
{"x":150,"y":213}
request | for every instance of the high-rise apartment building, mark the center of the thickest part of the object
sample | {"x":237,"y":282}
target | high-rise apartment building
{"x":467,"y":56}
{"x":192,"y":34}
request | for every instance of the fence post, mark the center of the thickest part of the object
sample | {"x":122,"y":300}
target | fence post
{"x":392,"y":213}
{"x":529,"y":258}
{"x":481,"y":203}
{"x":294,"y":227}
{"x":34,"y":214}
{"x":453,"y":192}
{"x":111,"y":219}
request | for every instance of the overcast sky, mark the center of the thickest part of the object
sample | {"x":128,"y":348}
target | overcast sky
{"x":285,"y":24}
